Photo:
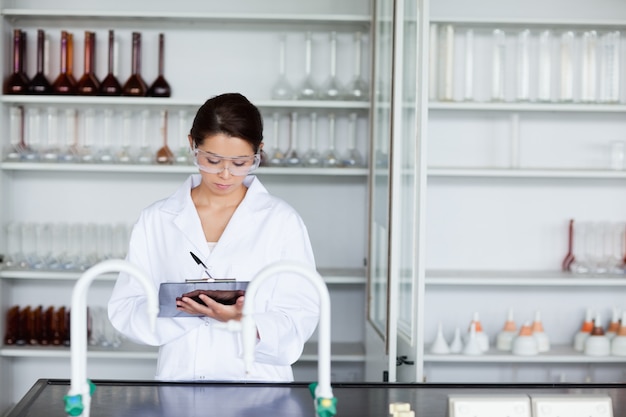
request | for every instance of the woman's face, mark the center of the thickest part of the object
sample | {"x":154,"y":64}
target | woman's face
{"x":224,"y":162}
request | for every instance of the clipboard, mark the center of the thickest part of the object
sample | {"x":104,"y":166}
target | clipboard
{"x":222,"y":291}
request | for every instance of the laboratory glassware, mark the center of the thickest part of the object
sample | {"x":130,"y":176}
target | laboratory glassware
{"x":588,"y":78}
{"x":145,"y":155}
{"x":282,"y":89}
{"x":164,"y":155}
{"x":332,"y":89}
{"x":50,"y":152}
{"x":446,"y":63}
{"x":110,"y":86}
{"x":358,"y":88}
{"x":308,"y":90}
{"x":182,"y":154}
{"x":18,"y":82}
{"x":17,"y":145}
{"x":39,"y":84}
{"x":498,"y":78}
{"x":88,"y":84}
{"x":106,"y":155}
{"x":313,"y":157}
{"x":523,"y":65}
{"x":135,"y":85}
{"x":330,"y":158}
{"x":64,"y":82}
{"x":160,"y":87}
{"x":352,"y":157}
{"x":275,"y":155}
{"x":292,"y":156}
{"x":567,"y":66}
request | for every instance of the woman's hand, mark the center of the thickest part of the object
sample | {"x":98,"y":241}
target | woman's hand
{"x":212,"y":308}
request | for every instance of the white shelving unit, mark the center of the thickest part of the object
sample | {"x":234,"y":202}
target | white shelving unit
{"x":244,"y":37}
{"x":504,"y":178}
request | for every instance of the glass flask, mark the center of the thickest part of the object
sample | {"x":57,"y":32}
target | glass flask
{"x":18,"y":82}
{"x":110,"y":86}
{"x":89,"y":85}
{"x":275,"y":155}
{"x":160,"y":87}
{"x":308,"y":89}
{"x":352,"y":157}
{"x":40,"y":84}
{"x":332,"y":90}
{"x":164,"y":154}
{"x":282,"y":89}
{"x":64,"y":83}
{"x":292,"y":156}
{"x":358,"y":88}
{"x":135,"y":85}
{"x":313,"y":157}
{"x":330,"y":158}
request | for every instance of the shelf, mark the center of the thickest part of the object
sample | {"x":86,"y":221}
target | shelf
{"x":551,"y":23}
{"x":340,"y":352}
{"x":522,"y":278}
{"x":525,"y":173}
{"x":332,"y":276}
{"x":557,"y":354}
{"x":128,"y":350}
{"x":174,"y":102}
{"x":171,"y":169}
{"x":529,"y":107}
{"x":183,"y":17}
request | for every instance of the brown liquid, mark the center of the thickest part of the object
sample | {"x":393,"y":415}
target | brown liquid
{"x":88,"y":83}
{"x":160,"y":87}
{"x":64,"y":83}
{"x":40,"y":84}
{"x":164,"y":154}
{"x":110,"y":86}
{"x":17,"y":82}
{"x":135,"y":85}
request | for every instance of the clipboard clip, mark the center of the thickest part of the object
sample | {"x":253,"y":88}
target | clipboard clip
{"x":191,"y":280}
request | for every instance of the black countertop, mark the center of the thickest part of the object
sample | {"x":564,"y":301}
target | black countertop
{"x":169,"y":399}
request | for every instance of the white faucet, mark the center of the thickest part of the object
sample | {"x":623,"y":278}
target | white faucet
{"x":78,"y":400}
{"x":322,"y":392}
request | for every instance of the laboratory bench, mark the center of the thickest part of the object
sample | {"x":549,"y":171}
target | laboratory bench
{"x":228,"y":399}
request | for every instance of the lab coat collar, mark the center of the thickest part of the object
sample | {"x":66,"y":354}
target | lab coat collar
{"x":180,"y":205}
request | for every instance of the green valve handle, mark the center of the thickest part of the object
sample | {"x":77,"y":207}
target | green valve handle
{"x":325,"y":407}
{"x":74,"y":405}
{"x":92,"y":387}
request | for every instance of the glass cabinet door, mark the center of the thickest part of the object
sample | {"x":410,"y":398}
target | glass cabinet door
{"x":378,"y":265}
{"x":409,"y":185}
{"x":397,"y":185}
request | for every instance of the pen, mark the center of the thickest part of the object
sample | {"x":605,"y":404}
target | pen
{"x":199,"y":262}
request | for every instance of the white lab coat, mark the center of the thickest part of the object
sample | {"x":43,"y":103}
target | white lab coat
{"x":264,"y":229}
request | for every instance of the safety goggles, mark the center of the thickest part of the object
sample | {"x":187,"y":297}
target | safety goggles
{"x":214,"y":164}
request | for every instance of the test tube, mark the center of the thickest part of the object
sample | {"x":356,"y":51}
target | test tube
{"x":523,"y":65}
{"x":433,"y":67}
{"x":446,"y":86}
{"x":588,"y":67}
{"x":469,"y":65}
{"x":545,"y":66}
{"x":499,"y":60}
{"x":33,"y":134}
{"x":567,"y":69}
{"x":610,"y":67}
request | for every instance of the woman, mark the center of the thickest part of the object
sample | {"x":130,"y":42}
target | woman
{"x":229,"y":221}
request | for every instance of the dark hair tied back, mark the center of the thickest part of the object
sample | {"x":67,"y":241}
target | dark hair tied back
{"x":231,"y":114}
